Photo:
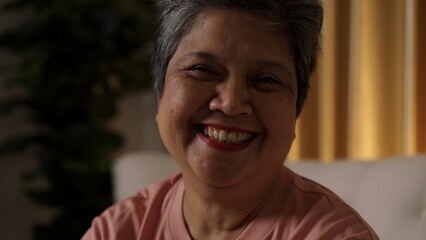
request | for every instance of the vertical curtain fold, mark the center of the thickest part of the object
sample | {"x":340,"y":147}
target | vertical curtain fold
{"x":420,"y":74}
{"x":368,"y":93}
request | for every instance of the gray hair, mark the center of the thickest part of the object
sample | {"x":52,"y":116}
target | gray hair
{"x":299,"y":20}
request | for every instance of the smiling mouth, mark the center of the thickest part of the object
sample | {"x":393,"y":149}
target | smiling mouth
{"x":226,"y":136}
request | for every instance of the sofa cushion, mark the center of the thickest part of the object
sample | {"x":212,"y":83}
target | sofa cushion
{"x":390,"y":194}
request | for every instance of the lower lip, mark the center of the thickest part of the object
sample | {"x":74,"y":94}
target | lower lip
{"x":231,"y":147}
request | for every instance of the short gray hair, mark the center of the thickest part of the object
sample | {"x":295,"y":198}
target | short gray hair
{"x":299,"y":20}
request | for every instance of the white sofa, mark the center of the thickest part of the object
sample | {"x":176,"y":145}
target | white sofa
{"x":389,"y":193}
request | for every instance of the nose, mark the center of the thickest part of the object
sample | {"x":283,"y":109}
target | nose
{"x":232,"y":98}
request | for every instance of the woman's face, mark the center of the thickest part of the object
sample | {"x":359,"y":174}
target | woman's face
{"x":228,"y":110}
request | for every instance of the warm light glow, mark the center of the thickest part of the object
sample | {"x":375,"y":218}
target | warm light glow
{"x":364,"y":100}
{"x":410,"y":95}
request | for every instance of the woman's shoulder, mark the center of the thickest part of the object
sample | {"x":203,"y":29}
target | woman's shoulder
{"x":129,"y":215}
{"x":153,"y":194}
{"x":312,"y":190}
{"x":324,"y":211}
{"x":156,"y":190}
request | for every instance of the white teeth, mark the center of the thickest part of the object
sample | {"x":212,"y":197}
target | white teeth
{"x":232,"y":136}
{"x":225,"y":136}
{"x":240,"y":137}
{"x":215,"y":134}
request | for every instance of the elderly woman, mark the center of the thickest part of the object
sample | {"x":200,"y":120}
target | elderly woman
{"x":231,"y":78}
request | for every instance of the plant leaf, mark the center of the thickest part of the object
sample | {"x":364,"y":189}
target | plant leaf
{"x":19,"y":144}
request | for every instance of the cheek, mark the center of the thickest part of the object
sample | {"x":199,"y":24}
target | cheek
{"x":180,"y":102}
{"x":167,"y":120}
{"x":277,"y":108}
{"x":174,"y":99}
{"x":278,"y":116}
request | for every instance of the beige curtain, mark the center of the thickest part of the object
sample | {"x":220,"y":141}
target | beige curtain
{"x":368,"y":95}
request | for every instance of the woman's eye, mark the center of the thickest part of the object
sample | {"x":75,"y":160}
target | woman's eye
{"x":269,"y":80}
{"x":202,"y":72}
{"x":266,"y":83}
{"x":201,"y":69}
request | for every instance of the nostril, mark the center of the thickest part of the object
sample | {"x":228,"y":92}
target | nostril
{"x":231,"y":106}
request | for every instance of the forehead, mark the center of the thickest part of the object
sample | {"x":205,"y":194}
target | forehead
{"x":243,"y":24}
{"x":234,"y":33}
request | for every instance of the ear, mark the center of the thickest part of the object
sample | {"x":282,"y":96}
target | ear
{"x":158,"y":108}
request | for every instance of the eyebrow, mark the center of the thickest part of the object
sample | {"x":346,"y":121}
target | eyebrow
{"x":274,"y":64}
{"x":205,"y":55}
{"x":265,"y":63}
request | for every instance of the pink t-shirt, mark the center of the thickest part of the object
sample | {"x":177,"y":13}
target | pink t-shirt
{"x":298,"y":209}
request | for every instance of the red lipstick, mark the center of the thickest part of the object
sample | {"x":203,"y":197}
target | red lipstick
{"x":224,"y":145}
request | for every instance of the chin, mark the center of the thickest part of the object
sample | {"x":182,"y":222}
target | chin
{"x":220,"y":174}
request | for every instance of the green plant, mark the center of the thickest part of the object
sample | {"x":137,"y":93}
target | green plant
{"x":76,"y":59}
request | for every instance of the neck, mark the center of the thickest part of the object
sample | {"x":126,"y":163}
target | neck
{"x":223,"y":213}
